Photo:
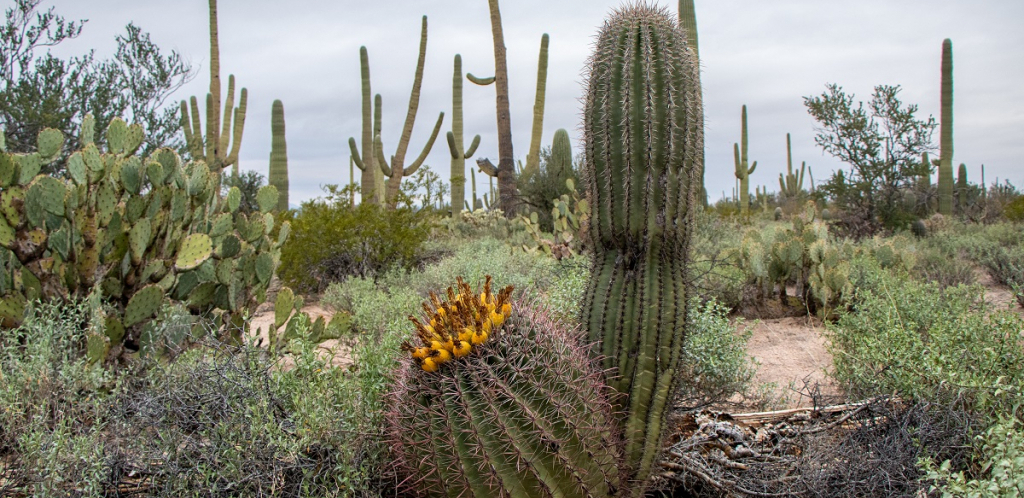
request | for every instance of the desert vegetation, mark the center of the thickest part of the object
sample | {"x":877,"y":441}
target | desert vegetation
{"x":171,"y":327}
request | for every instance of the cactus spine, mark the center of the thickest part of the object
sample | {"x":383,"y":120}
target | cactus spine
{"x":220,"y":137}
{"x":455,"y":143}
{"x":742,"y":171}
{"x":946,"y":132}
{"x":643,"y":130}
{"x":533,"y":157}
{"x":278,"y":176}
{"x":397,"y":169}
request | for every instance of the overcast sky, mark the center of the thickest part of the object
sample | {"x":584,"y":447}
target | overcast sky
{"x":767,"y":55}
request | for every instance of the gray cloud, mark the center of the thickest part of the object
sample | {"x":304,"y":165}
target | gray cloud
{"x":765,"y":55}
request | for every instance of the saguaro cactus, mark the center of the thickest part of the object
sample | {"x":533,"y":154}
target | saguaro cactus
{"x":643,"y":132}
{"x":371,"y":179}
{"x":220,"y":137}
{"x":961,"y":186}
{"x":456,"y":143}
{"x":561,"y":152}
{"x":278,"y":176}
{"x":397,"y":169}
{"x":742,"y":171}
{"x":792,"y":184}
{"x":533,"y":157}
{"x":946,"y":132}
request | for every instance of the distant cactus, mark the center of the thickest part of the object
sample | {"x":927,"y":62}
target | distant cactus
{"x":946,"y":132}
{"x":925,"y":180}
{"x":791,"y":185}
{"x":919,"y":229}
{"x":278,"y":176}
{"x":220,"y":136}
{"x":777,"y":215}
{"x":961,"y":186}
{"x":456,"y":145}
{"x":561,"y":152}
{"x":636,"y":305}
{"x":742,"y":171}
{"x":533,"y":156}
{"x":397,"y":169}
{"x":372,"y":179}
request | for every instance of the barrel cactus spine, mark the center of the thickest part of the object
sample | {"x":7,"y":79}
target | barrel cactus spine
{"x":497,"y":400}
{"x":278,"y":175}
{"x":456,"y":143}
{"x":742,"y":171}
{"x":946,"y":132}
{"x":643,"y":133}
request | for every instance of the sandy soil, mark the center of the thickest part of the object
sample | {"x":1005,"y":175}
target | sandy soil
{"x":338,"y":354}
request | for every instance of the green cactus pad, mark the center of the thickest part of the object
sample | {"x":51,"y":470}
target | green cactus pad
{"x":77,"y":169}
{"x":7,"y":235}
{"x":138,"y":239}
{"x":113,"y":329}
{"x":196,"y":249}
{"x":228,"y":247}
{"x":28,"y":167}
{"x":207,"y":272}
{"x":266,"y":198}
{"x":234,"y":199}
{"x":60,"y":241}
{"x":254,"y":229}
{"x":143,"y":304}
{"x":198,"y":179}
{"x":179,"y":205}
{"x":169,"y":160}
{"x":225,"y":271}
{"x":134,"y":138}
{"x":155,"y":173}
{"x":283,"y":306}
{"x":184,"y":285}
{"x":50,"y":193}
{"x":131,"y":175}
{"x":203,"y":295}
{"x":96,"y":347}
{"x":12,"y":309}
{"x":282,"y":235}
{"x":264,"y":267}
{"x":88,"y":133}
{"x":134,"y":208}
{"x":8,"y":169}
{"x":106,"y":202}
{"x":222,"y":224}
{"x":93,"y":159}
{"x":117,"y":133}
{"x":49,"y":143}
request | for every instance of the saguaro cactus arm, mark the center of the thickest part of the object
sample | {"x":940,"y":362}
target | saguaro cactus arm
{"x":533,"y":157}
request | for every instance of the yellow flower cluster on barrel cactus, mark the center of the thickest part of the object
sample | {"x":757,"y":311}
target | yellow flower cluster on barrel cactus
{"x":455,"y":326}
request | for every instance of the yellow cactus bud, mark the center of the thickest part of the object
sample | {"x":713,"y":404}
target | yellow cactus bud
{"x":479,"y":338}
{"x":421,"y":353}
{"x":465,"y":334}
{"x":449,"y":345}
{"x":436,"y":346}
{"x":463,"y":349}
{"x":442,"y":356}
{"x":430,"y":328}
{"x":486,"y":326}
{"x":429,"y":365}
{"x":506,"y":309}
{"x":497,"y":319}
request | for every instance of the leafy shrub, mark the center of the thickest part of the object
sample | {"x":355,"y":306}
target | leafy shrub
{"x":1014,"y":210}
{"x":944,"y":267}
{"x":539,"y":188}
{"x":715,"y":362}
{"x":1002,"y":447}
{"x":330,"y":242}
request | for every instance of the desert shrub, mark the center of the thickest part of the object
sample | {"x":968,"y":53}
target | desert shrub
{"x":1002,"y":445}
{"x":940,"y":261}
{"x":715,"y":363}
{"x":330,"y":242}
{"x":52,"y":406}
{"x":714,"y":243}
{"x":565,"y":294}
{"x":1014,"y":210}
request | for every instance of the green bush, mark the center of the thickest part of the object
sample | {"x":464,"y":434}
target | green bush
{"x":715,"y":363}
{"x":1002,"y":450}
{"x":1014,"y":210}
{"x":539,"y":188}
{"x":330,"y":242}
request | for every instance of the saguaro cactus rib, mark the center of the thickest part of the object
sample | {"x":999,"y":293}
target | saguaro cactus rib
{"x":643,"y":132}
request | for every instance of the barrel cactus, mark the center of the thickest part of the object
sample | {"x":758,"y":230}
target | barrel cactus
{"x":643,"y":134}
{"x":496,"y":399}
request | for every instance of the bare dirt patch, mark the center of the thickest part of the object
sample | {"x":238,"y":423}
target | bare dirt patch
{"x":335,"y":352}
{"x":791,"y":352}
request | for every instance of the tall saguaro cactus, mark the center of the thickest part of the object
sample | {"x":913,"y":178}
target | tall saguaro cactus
{"x":224,"y":135}
{"x":792,"y":184}
{"x":533,"y":157}
{"x":397,"y":169}
{"x":643,"y":132}
{"x":688,"y":21}
{"x":278,"y":176}
{"x":371,"y":179}
{"x":946,"y":132}
{"x":456,"y":143}
{"x":506,"y":169}
{"x":742,"y":171}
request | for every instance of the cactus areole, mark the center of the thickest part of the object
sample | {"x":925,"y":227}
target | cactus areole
{"x":643,"y":136}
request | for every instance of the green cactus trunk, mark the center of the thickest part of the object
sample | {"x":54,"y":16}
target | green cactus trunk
{"x":742,"y":171}
{"x":278,"y":175}
{"x":525,"y":415}
{"x":533,"y":157}
{"x":946,"y":132}
{"x":688,"y":21}
{"x":372,"y":179}
{"x":456,"y":143}
{"x":643,"y":131}
{"x":925,"y":180}
{"x":961,"y":186}
{"x":561,"y":153}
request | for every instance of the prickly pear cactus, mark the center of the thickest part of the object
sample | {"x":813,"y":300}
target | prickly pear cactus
{"x":496,"y":399}
{"x":144,"y":231}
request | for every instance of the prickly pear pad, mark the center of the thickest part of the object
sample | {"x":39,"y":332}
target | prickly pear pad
{"x":455,"y":326}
